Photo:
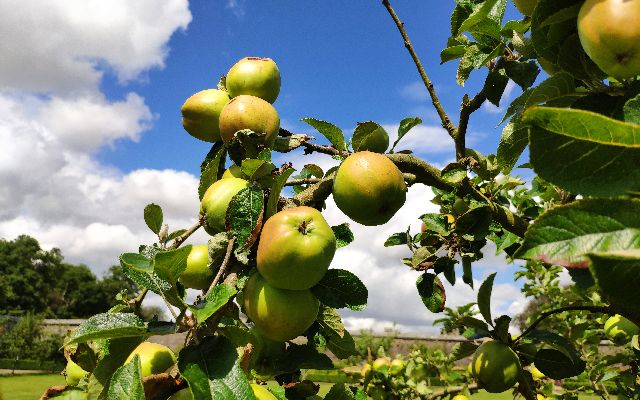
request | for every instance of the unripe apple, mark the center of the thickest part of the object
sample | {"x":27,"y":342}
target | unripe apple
{"x":620,"y":330}
{"x":216,"y":200}
{"x":382,"y":365}
{"x":369,"y":188}
{"x":262,"y":393}
{"x":365,"y":371}
{"x":377,"y":141}
{"x":278,"y":314}
{"x":526,"y":7}
{"x":73,"y":373}
{"x":460,"y":397}
{"x":495,"y":366}
{"x":460,"y":207}
{"x":249,"y":112}
{"x":234,"y":171}
{"x":295,"y":249}
{"x":609,"y":31}
{"x":154,"y":358}
{"x":254,"y":76}
{"x":396,"y":367}
{"x":201,"y":114}
{"x":198,"y":274}
{"x":184,"y":394}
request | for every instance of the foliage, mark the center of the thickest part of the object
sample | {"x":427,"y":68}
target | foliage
{"x":37,"y":280}
{"x":25,"y":340}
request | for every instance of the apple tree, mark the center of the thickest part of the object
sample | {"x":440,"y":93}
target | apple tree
{"x":270,"y":304}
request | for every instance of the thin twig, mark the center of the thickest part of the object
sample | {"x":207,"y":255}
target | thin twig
{"x":545,"y":315}
{"x":468,"y":107}
{"x":180,"y":239}
{"x":136,"y":302}
{"x":307,"y":181}
{"x":446,"y":121}
{"x":223,"y":267}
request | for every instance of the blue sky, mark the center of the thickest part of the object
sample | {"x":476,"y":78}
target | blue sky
{"x":90,"y":102}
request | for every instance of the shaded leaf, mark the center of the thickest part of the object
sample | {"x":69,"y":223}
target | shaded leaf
{"x":431,"y":292}
{"x":343,"y":234}
{"x":153,"y":217}
{"x":108,"y":326}
{"x":405,"y":126}
{"x":210,"y":168}
{"x":484,"y":298}
{"x":126,"y":382}
{"x":340,"y":288}
{"x":244,"y":216}
{"x":617,"y":275}
{"x":328,"y":130}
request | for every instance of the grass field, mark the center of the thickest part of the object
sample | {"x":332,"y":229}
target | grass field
{"x":30,"y":387}
{"x":27,"y":387}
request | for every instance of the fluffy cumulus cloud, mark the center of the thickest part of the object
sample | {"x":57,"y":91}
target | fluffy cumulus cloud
{"x":54,"y":118}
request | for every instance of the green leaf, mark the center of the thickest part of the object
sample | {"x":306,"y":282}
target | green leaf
{"x":524,"y":73}
{"x":467,"y":271}
{"x":473,"y":58}
{"x":454,"y":174}
{"x":126,"y":382}
{"x":631,"y":110}
{"x":405,"y":126}
{"x":556,"y":87}
{"x":212,"y":370}
{"x":617,"y":275}
{"x":462,"y":349}
{"x":484,"y":298}
{"x":515,"y":138}
{"x":256,"y":169}
{"x":486,"y":20}
{"x":289,"y":143}
{"x":330,"y":322}
{"x":215,"y":300}
{"x":340,"y":391}
{"x":244,"y":216}
{"x":303,"y":356}
{"x":343,"y":234}
{"x":328,"y":130}
{"x":452,"y":53}
{"x":342,"y":347}
{"x":340,"y":288}
{"x":437,"y":223}
{"x":108,"y":326}
{"x":397,"y":239}
{"x":431,"y":292}
{"x":170,"y":264}
{"x":564,"y":235}
{"x":210,"y":168}
{"x":276,"y":188}
{"x":475,"y":222}
{"x":495,"y":84}
{"x":580,"y":150}
{"x":556,"y":365}
{"x":153,"y":217}
{"x":116,"y":352}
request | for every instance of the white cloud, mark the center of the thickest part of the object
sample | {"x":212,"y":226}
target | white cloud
{"x":65,"y":46}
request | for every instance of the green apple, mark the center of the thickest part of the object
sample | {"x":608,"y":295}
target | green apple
{"x":201,"y":114}
{"x":234,"y":171}
{"x":495,"y":366}
{"x":262,"y":393}
{"x":73,"y":373}
{"x":216,"y":200}
{"x":460,"y":207}
{"x":460,"y":397}
{"x":249,"y":112}
{"x":526,"y":7}
{"x":396,"y":367}
{"x":295,"y":249}
{"x":198,"y":274}
{"x":154,"y":358}
{"x":369,"y":188}
{"x":382,"y":365}
{"x":620,"y":330}
{"x":278,"y":314}
{"x":365,"y":371}
{"x":376,"y":141}
{"x":184,"y":394}
{"x":254,"y":76}
{"x":609,"y":31}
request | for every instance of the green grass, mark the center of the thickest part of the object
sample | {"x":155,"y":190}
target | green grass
{"x":27,"y":387}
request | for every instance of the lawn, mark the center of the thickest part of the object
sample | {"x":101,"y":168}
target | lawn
{"x":30,"y":387}
{"x":27,"y":387}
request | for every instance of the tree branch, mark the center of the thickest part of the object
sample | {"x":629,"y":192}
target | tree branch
{"x":137,"y":302}
{"x":223,"y":267}
{"x":468,"y":107}
{"x":545,"y":315}
{"x":180,"y":239}
{"x":307,"y":181}
{"x":446,"y":121}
